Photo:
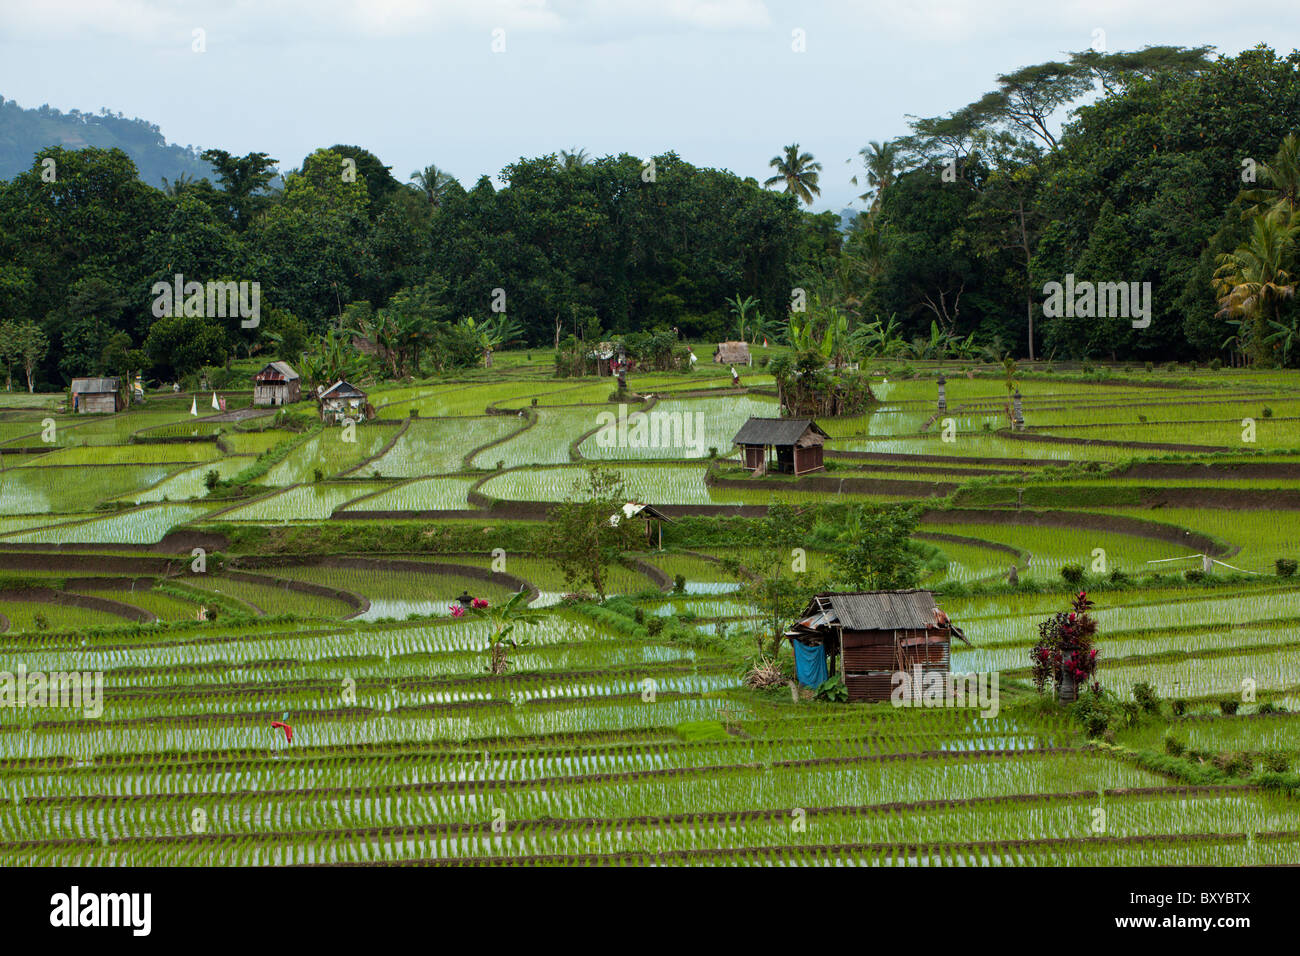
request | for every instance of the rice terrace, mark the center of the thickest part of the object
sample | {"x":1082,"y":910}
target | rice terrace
{"x":645,"y":727}
{"x":618,"y":511}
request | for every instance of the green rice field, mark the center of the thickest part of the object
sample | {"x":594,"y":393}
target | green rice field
{"x":315,"y":580}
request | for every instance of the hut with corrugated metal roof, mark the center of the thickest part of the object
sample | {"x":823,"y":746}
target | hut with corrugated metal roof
{"x":343,"y":401}
{"x":97,"y":396}
{"x":875,"y":635}
{"x":276,"y":384}
{"x":787,"y":445}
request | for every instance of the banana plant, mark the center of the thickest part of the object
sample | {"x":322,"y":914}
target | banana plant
{"x":503,"y":619}
{"x":741,"y":308}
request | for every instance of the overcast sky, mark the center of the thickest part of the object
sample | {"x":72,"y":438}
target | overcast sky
{"x":418,"y":81}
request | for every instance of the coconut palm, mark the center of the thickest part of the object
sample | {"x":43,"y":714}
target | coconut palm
{"x":881,"y":160}
{"x":573,"y":158}
{"x":1283,"y":175}
{"x":433,"y":182}
{"x":799,"y":173}
{"x":1254,"y":279}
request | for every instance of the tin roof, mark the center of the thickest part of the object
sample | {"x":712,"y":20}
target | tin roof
{"x":276,"y":372}
{"x":342,"y":389}
{"x":94,"y":385}
{"x":876,"y":610}
{"x":775,"y":431}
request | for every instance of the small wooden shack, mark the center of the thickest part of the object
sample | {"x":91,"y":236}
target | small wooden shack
{"x":97,"y":396}
{"x":733,"y":353}
{"x":276,"y":384}
{"x":653,"y":517}
{"x":877,"y":634}
{"x":786,"y":445}
{"x":343,"y":400}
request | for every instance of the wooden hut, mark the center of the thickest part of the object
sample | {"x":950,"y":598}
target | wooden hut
{"x":97,"y":396}
{"x":343,"y":400}
{"x":653,"y":517}
{"x":733,"y":353}
{"x":877,"y":634}
{"x":276,"y":384}
{"x":786,"y":445}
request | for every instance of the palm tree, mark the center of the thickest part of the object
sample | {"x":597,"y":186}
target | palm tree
{"x":573,"y":158}
{"x":1283,"y":173}
{"x":1254,"y":279}
{"x":799,"y":173}
{"x":881,"y":160}
{"x":178,"y":186}
{"x":433,"y":182}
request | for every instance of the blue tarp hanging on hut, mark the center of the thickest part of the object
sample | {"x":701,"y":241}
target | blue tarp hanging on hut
{"x":809,"y":663}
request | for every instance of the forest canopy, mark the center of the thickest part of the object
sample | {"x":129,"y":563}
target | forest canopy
{"x":1173,"y":172}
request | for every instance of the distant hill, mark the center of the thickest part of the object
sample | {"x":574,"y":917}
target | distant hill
{"x":24,"y":132}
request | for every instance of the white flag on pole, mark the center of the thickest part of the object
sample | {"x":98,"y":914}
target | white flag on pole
{"x":215,"y":403}
{"x":194,"y":406}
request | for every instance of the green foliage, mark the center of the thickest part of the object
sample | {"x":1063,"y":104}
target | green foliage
{"x":833,"y":690}
{"x":1146,"y":697}
{"x":879,"y":555}
{"x":583,"y":539}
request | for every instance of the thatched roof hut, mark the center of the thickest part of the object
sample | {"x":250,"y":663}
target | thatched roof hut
{"x":733,"y":353}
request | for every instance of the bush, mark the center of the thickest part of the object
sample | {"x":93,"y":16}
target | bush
{"x":639,"y":615}
{"x":1235,"y":763}
{"x":1119,"y":577}
{"x":1173,"y":746}
{"x":1268,"y":707}
{"x":1228,"y":706}
{"x":1286,"y":567}
{"x":832,"y":690}
{"x":1277,"y":761}
{"x":1194,"y":575}
{"x":1073,"y":574}
{"x":1094,"y":712}
{"x":763,"y":360}
{"x":679,"y":584}
{"x":1150,"y":366}
{"x":1216,"y":364}
{"x":1179,"y":707}
{"x":317,"y":475}
{"x":211,"y":478}
{"x":654,"y":627}
{"x":1266,"y":412}
{"x":1146,"y":697}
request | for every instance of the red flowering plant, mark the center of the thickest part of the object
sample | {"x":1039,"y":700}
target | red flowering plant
{"x":1064,"y":654}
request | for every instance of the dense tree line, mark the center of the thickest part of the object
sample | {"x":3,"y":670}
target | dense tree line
{"x":1163,"y":178}
{"x":1175,"y":173}
{"x":566,"y":246}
